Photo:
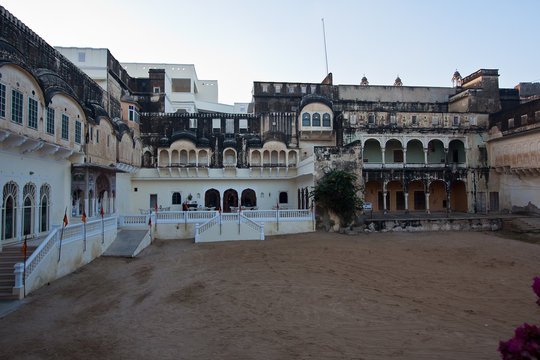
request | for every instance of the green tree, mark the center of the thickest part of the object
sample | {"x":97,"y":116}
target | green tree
{"x":337,"y":191}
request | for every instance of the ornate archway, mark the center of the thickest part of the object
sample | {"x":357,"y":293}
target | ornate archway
{"x":249,"y":198}
{"x":230,"y":199}
{"x":212,"y":199}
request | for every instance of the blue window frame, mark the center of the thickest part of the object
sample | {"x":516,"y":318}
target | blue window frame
{"x":326,"y":119}
{"x":16,"y":106}
{"x":32,"y":113}
{"x":306,"y":119}
{"x":316,"y":119}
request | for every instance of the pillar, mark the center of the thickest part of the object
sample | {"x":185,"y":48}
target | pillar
{"x":446,"y":159}
{"x":425,"y":156}
{"x":385,"y":210}
{"x":427,"y":203}
{"x":448,"y":207}
{"x":383,"y":150}
{"x":18,"y":212}
{"x":406,"y":194}
{"x":404,"y":156}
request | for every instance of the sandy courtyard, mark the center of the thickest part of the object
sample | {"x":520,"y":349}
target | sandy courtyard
{"x":450,"y":295}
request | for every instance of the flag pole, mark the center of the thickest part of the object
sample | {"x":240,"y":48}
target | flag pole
{"x":84,"y":229}
{"x":277,"y":216}
{"x":220,"y":220}
{"x":102,"y":226}
{"x":64,"y":224}
{"x":24,"y":268}
{"x":150,"y":224}
{"x":185,"y":215}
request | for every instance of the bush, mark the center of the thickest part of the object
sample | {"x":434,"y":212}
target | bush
{"x":526,"y":341}
{"x":337,"y":191}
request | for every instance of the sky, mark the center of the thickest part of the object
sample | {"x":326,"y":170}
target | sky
{"x":237,"y":42}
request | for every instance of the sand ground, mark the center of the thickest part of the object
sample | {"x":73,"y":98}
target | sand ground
{"x":445,"y":295}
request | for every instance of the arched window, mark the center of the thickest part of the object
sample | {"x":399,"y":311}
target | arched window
{"x":44,"y":195}
{"x":283,"y":197}
{"x":9,"y":213}
{"x":316,"y":119}
{"x":306,"y":119}
{"x":176,"y":198}
{"x":29,"y":198}
{"x":326,"y":120}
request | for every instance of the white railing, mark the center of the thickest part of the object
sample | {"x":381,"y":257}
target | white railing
{"x":193,"y":217}
{"x":199,"y":229}
{"x":42,"y":250}
{"x":252,"y":224}
{"x":71,"y":233}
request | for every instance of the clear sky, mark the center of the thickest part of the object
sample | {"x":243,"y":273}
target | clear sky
{"x":238,"y":42}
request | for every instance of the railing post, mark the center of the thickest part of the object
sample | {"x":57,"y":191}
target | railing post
{"x":197,"y":232}
{"x":19,"y":281}
{"x":262,"y":231}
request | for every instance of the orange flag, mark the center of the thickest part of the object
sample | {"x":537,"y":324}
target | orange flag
{"x":150,"y":222}
{"x":277,"y":206}
{"x":240,"y":208}
{"x":102,"y":212}
{"x":219,"y":210}
{"x":155,"y":207}
{"x":23,"y":250}
{"x":65,"y":219}
{"x":84,"y":216}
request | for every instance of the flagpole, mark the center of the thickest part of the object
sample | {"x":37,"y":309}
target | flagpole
{"x":24,"y":268}
{"x":64,"y":224}
{"x":220,"y":220}
{"x":277,"y":216}
{"x":84,"y":229}
{"x":102,"y":227}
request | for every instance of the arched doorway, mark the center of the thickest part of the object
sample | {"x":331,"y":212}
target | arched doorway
{"x":417,"y":196}
{"x":437,"y":196}
{"x":456,"y":151}
{"x":44,"y":208}
{"x":212,"y":199}
{"x":373,"y":195}
{"x":77,"y":203}
{"x":9,"y":211}
{"x":395,"y":198}
{"x":103,"y":190}
{"x":230,"y":199}
{"x":458,"y":196}
{"x":29,"y":199}
{"x":248,"y":198}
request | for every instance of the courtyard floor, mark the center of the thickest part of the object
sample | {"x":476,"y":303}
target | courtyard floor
{"x":444,"y":295}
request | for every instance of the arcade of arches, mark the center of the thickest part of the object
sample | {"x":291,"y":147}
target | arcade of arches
{"x":435,"y":196}
{"x":231,"y":199}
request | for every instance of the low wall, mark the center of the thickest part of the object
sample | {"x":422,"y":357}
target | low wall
{"x":50,"y":261}
{"x":462,"y":224}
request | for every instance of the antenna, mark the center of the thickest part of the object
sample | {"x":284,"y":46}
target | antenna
{"x":325,"y":54}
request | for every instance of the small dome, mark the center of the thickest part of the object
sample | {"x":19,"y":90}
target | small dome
{"x":457,"y":75}
{"x":164,"y":141}
{"x":398,"y":82}
{"x":364,"y":81}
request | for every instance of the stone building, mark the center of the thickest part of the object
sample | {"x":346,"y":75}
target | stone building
{"x":104,"y":139}
{"x":61,"y":151}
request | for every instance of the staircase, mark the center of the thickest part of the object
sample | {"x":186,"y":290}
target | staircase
{"x":9,"y":256}
{"x":522,"y":225}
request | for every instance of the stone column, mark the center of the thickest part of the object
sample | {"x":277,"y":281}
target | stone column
{"x":427,"y":203}
{"x":383,"y":149}
{"x":404,"y":156}
{"x":448,"y":207}
{"x":446,"y":159}
{"x":385,"y":194}
{"x":406,"y":194}
{"x":425,"y":156}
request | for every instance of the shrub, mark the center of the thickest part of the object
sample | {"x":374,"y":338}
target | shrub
{"x":337,"y":191}
{"x":526,"y":341}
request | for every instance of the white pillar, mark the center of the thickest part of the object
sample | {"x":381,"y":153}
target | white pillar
{"x":404,"y":156}
{"x":406,"y":202}
{"x":385,"y":193}
{"x":383,"y":150}
{"x":425,"y":156}
{"x":427,"y":203}
{"x":19,"y":212}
